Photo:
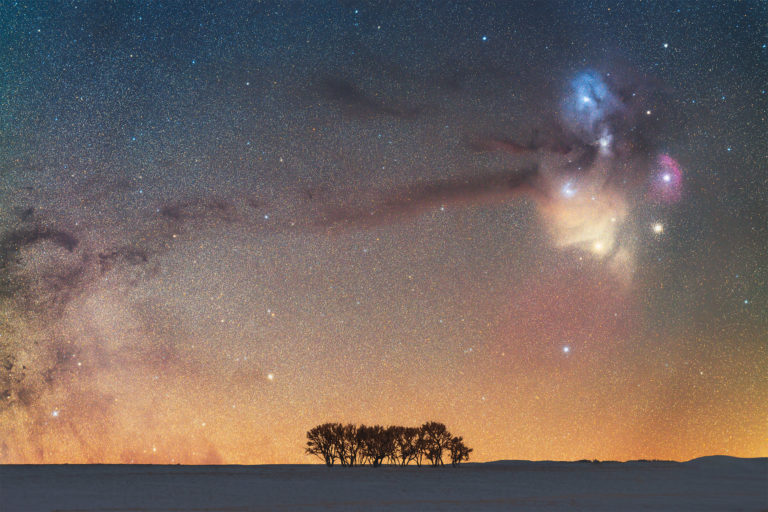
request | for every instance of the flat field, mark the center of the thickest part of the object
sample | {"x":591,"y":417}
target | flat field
{"x":706,"y":484}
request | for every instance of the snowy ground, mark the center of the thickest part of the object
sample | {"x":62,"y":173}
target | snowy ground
{"x":712,"y":483}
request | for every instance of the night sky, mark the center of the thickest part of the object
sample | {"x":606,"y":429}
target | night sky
{"x":541,"y":223}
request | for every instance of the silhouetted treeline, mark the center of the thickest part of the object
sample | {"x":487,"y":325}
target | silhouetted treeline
{"x":350,"y":445}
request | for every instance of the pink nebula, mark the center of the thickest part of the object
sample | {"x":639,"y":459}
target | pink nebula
{"x":667,"y":180}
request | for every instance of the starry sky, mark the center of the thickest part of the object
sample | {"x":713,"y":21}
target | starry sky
{"x":542,"y":223}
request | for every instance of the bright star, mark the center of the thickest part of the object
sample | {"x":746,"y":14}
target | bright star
{"x":658,"y":228}
{"x":566,"y":349}
{"x":667,"y":178}
{"x":55,"y":413}
{"x":271,"y":376}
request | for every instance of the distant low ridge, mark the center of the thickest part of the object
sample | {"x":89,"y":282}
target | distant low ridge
{"x":703,"y":459}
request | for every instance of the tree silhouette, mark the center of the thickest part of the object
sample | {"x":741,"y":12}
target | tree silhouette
{"x":352,"y":445}
{"x":377,"y":444}
{"x":419,"y":446}
{"x":437,"y":439}
{"x":320,"y":442}
{"x":405,"y":445}
{"x":347,"y":443}
{"x":394,"y":456}
{"x":458,"y":450}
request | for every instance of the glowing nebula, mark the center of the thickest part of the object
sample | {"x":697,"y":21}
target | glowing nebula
{"x":667,"y":180}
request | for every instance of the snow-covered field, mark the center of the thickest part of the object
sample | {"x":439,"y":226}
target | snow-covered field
{"x":711,"y":483}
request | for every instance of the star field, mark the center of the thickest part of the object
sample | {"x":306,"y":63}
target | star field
{"x":544,"y":225}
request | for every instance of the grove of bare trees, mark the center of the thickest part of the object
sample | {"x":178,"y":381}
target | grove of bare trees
{"x":351,"y":445}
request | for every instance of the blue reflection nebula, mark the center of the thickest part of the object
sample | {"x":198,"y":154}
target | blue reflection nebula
{"x":588,"y":107}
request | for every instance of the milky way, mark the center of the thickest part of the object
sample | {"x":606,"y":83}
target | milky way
{"x":220,"y":226}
